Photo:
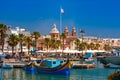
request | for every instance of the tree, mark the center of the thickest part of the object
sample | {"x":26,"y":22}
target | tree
{"x":107,"y":47}
{"x":97,"y":46}
{"x":52,"y":43}
{"x":47,"y":42}
{"x":58,"y":43}
{"x":21,"y":39}
{"x":92,"y":46}
{"x":77,"y":43}
{"x":82,"y":46}
{"x":28,"y":41}
{"x":88,"y":47}
{"x":3,"y":29}
{"x":36,"y":35}
{"x":63,"y":37}
{"x":12,"y":41}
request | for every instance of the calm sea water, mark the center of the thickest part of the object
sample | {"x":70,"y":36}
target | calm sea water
{"x":98,"y":73}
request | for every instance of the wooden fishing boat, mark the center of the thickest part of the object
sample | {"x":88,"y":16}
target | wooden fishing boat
{"x":30,"y":67}
{"x":60,"y":70}
{"x":114,"y":76}
{"x":49,"y":66}
{"x":6,"y":66}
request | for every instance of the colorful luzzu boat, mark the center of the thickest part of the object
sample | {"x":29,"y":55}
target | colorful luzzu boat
{"x":114,"y":76}
{"x":30,"y":67}
{"x":50,"y":67}
{"x":63,"y":69}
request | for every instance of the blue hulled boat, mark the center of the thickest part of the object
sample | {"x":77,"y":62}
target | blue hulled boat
{"x":6,"y":66}
{"x":52,"y":66}
{"x":63,"y":69}
{"x":30,"y":67}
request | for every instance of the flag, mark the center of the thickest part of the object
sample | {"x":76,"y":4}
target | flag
{"x":62,"y":11}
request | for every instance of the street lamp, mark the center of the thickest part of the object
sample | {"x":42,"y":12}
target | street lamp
{"x":82,"y":33}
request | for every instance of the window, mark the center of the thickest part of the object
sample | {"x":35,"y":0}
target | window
{"x":61,"y":61}
{"x":54,"y":62}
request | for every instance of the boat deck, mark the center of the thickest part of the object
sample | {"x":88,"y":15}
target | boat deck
{"x":83,"y":65}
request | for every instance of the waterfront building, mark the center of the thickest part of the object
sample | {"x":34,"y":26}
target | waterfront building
{"x":69,"y":41}
{"x":15,"y":31}
{"x":54,"y":34}
{"x":94,"y":40}
{"x":113,"y":42}
{"x":70,"y":38}
{"x":18,"y":31}
{"x":41,"y":42}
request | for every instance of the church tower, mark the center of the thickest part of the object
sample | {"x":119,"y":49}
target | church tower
{"x":73,"y":32}
{"x":66,"y":31}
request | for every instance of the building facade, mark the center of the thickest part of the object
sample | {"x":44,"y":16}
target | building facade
{"x":15,"y":31}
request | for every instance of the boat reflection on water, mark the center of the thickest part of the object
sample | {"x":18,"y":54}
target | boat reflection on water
{"x":20,"y":74}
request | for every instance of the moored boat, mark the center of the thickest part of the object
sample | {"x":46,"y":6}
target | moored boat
{"x":112,"y":66}
{"x":30,"y":67}
{"x":50,"y":66}
{"x":113,"y":59}
{"x":60,"y":70}
{"x":89,"y":58}
{"x":6,"y":66}
{"x":114,"y":76}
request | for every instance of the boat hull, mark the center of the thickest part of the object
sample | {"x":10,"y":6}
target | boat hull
{"x":114,"y":60}
{"x":114,"y":76}
{"x":7,"y":66}
{"x":65,"y":71}
{"x":61,"y":70}
{"x":112,"y":66}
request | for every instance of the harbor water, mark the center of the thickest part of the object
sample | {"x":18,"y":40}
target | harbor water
{"x":98,"y":73}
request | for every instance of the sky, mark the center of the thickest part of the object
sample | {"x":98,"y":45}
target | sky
{"x":100,"y":18}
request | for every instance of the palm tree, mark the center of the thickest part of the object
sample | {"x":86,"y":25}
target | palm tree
{"x":52,"y":43}
{"x":107,"y":47}
{"x":77,"y":43}
{"x":85,"y":44}
{"x":92,"y":46}
{"x":12,"y":41}
{"x":97,"y":46}
{"x":36,"y":35}
{"x":21,"y":39}
{"x":82,"y":46}
{"x":63,"y":37}
{"x":28,"y":42}
{"x":3,"y":29}
{"x":58,"y":43}
{"x":88,"y":46}
{"x":47,"y":42}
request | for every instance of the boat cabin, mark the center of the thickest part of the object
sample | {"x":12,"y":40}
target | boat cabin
{"x":53,"y":63}
{"x":88,"y":55}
